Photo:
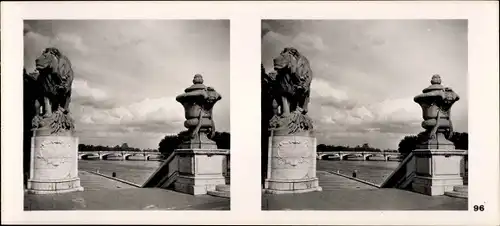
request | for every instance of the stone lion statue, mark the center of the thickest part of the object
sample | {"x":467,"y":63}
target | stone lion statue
{"x":55,"y":78}
{"x":52,"y":81}
{"x":290,"y":87}
{"x":293,"y":81}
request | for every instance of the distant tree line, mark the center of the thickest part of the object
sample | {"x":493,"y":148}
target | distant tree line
{"x":406,"y":145}
{"x":409,"y":143}
{"x":123,"y":147}
{"x":170,"y":142}
{"x":365,"y":147}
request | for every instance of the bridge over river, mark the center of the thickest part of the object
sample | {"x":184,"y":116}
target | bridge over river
{"x":366,"y":155}
{"x":125,"y":155}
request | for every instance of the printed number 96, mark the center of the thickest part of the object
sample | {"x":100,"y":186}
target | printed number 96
{"x":480,"y":208}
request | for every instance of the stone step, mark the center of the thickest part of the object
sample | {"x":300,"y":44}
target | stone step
{"x":456,"y":194}
{"x":223,"y":187}
{"x":224,"y":194}
{"x":461,"y":188}
{"x":459,"y":191}
{"x":221,"y":190}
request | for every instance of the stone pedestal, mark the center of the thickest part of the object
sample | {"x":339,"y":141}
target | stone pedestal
{"x":200,"y":141}
{"x":437,"y":170}
{"x":54,"y":165}
{"x":200,"y":170}
{"x":291,"y":165}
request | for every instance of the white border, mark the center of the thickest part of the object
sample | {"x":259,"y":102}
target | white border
{"x":245,"y":113}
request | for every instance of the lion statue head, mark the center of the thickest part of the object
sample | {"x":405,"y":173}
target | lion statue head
{"x":287,"y":59}
{"x":49,"y":60}
{"x":290,"y":61}
{"x":293,"y":77}
{"x":56,"y":71}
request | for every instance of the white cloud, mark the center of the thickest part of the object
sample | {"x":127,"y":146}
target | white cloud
{"x":362,"y":113}
{"x":82,"y":89}
{"x":308,"y":41}
{"x":321,"y":88}
{"x":391,"y":115}
{"x":401,"y":109}
{"x":72,"y":39}
{"x":164,"y":109}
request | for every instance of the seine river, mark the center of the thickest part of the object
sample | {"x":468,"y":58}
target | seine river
{"x":372,"y":171}
{"x":135,"y":171}
{"x":138,"y":171}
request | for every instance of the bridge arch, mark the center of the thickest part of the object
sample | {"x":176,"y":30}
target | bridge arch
{"x":86,"y":155}
{"x":389,"y":157}
{"x":346,"y":155}
{"x":127,"y":156}
{"x":106,"y":155}
{"x":328,"y":156}
{"x":367,"y":156}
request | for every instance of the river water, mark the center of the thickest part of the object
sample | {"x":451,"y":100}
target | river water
{"x":372,"y":171}
{"x":135,"y":171}
{"x":138,"y":171}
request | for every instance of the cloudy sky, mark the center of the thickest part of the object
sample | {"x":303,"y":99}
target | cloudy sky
{"x":128,"y":73}
{"x":366,"y":73}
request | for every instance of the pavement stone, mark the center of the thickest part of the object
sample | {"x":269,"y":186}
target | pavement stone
{"x":106,"y":194}
{"x":332,"y":182}
{"x":354,"y":198}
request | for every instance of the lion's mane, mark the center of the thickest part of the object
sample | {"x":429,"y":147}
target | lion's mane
{"x":294,"y":73}
{"x":56,"y":75}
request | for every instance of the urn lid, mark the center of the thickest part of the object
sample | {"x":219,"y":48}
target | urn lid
{"x":436,"y":90}
{"x":435,"y":84}
{"x":197,"y":84}
{"x":196,"y":91}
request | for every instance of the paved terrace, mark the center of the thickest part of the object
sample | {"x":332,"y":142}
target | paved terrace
{"x":341,"y":193}
{"x":105,"y":194}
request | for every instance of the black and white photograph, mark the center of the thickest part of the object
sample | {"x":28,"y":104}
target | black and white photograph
{"x":153,"y":112}
{"x":364,"y":114}
{"x":126,"y":115}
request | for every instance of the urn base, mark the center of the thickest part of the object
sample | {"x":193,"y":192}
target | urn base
{"x":438,"y":142}
{"x":437,"y":170}
{"x":200,"y":170}
{"x":201,"y":141}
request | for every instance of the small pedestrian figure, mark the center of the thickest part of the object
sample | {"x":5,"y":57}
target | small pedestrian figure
{"x":354,"y":173}
{"x":114,"y":174}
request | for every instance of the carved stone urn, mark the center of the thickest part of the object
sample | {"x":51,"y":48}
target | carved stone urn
{"x":198,"y":101}
{"x":201,"y":165}
{"x":437,"y":162}
{"x":436,"y":101}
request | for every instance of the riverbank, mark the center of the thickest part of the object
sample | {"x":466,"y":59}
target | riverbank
{"x":374,"y":172}
{"x":362,"y":199}
{"x":136,"y":172}
{"x":102,"y":193}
